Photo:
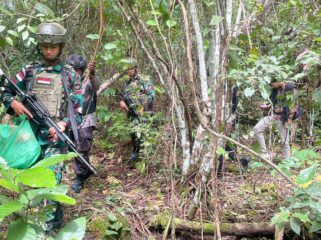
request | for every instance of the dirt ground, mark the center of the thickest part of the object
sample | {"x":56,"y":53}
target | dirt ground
{"x":124,"y":200}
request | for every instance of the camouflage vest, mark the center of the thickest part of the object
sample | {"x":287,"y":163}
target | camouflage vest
{"x":48,"y":87}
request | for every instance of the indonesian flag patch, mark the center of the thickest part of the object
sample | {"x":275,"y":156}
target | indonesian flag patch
{"x":45,"y":81}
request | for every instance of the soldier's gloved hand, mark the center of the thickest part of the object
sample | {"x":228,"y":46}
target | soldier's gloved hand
{"x":19,"y":108}
{"x":92,"y":67}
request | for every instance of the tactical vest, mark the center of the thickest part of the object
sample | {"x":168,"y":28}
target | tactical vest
{"x":48,"y":88}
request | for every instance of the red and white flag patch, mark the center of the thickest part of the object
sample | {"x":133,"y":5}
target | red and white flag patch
{"x":42,"y":80}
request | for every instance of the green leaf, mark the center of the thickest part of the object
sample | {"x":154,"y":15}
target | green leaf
{"x":19,"y":20}
{"x":295,"y":225}
{"x":74,"y":230}
{"x":216,"y":20}
{"x":116,"y":226}
{"x":112,"y":217}
{"x":110,"y":46}
{"x":58,"y":197}
{"x":44,"y":9}
{"x":9,"y":207}
{"x":151,"y":22}
{"x":171,"y":23}
{"x":306,"y":175}
{"x":9,"y":40}
{"x":302,"y":217}
{"x":21,"y":27}
{"x":93,"y":36}
{"x":56,"y":159}
{"x":141,"y":166}
{"x":110,"y":232}
{"x":9,"y":185}
{"x":315,"y":226}
{"x":21,"y":230}
{"x":13,"y":33}
{"x":2,"y":28}
{"x":31,"y":195}
{"x":37,"y":177}
{"x":31,"y":29}
{"x":25,"y":35}
{"x":248,"y":92}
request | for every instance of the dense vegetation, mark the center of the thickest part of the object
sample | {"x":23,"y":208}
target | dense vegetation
{"x":195,"y":52}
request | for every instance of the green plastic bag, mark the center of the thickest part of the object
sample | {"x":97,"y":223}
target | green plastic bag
{"x":18,"y":144}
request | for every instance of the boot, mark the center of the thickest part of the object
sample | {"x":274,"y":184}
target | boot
{"x":56,"y":222}
{"x":133,"y":157}
{"x":77,"y":185}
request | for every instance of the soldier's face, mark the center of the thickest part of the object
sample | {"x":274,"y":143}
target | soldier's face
{"x":131,"y":72}
{"x":50,"y":52}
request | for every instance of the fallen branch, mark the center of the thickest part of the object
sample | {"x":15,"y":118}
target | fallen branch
{"x":237,"y":229}
{"x":110,"y":81}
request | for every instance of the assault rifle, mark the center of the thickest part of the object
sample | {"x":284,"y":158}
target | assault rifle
{"x":131,"y":105}
{"x":41,"y":116}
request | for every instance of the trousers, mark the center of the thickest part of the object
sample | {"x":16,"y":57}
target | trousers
{"x":266,"y":123}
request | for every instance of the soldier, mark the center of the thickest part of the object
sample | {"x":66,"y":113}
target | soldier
{"x":90,"y":86}
{"x":57,"y":88}
{"x":138,"y":97}
{"x":282,"y":116}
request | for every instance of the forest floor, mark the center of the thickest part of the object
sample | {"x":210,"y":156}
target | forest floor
{"x":122,"y":201}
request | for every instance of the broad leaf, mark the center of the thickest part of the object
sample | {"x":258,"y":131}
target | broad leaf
{"x":306,"y":175}
{"x":295,"y":225}
{"x":171,"y":23}
{"x":9,"y":185}
{"x":37,"y":177}
{"x":2,"y":28}
{"x":31,"y":195}
{"x":216,"y":20}
{"x":10,"y":207}
{"x":248,"y":92}
{"x":21,"y":27}
{"x":93,"y":36}
{"x":75,"y":230}
{"x":58,"y":197}
{"x":151,"y":22}
{"x":302,"y":217}
{"x":44,"y":9}
{"x":19,"y":20}
{"x":25,"y":35}
{"x":110,"y":46}
{"x":13,"y":33}
{"x":9,"y":41}
{"x":21,"y":230}
{"x":51,"y":161}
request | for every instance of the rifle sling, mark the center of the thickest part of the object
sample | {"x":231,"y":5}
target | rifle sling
{"x":70,"y":112}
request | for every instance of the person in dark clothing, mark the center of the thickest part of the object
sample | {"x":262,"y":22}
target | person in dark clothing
{"x":90,"y":86}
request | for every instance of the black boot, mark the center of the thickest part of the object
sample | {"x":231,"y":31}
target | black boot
{"x":78,"y":184}
{"x":56,"y":222}
{"x":133,"y":157}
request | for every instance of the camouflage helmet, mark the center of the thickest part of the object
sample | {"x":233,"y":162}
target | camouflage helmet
{"x":128,"y":63}
{"x":51,"y":32}
{"x":76,"y":61}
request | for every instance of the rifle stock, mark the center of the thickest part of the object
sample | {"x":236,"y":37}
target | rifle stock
{"x":42,"y":117}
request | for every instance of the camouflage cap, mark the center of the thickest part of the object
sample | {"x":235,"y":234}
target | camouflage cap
{"x":51,"y":32}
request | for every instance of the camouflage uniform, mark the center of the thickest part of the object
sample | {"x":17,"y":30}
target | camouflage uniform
{"x":142,"y":93}
{"x":33,"y":78}
{"x":46,"y":82}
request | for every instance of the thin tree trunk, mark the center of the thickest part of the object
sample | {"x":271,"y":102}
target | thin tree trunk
{"x":201,"y":54}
